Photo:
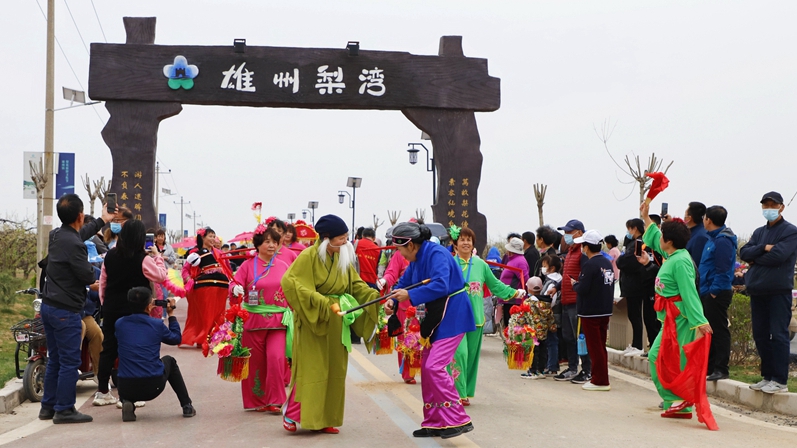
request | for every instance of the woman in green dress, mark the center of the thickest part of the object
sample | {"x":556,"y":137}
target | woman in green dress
{"x":477,"y":274}
{"x":678,"y":379}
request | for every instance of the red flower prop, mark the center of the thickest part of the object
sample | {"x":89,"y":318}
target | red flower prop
{"x":236,"y":311}
{"x":201,"y":232}
{"x":270,"y":219}
{"x":260,"y":229}
{"x":225,"y":352}
{"x":660,"y":183}
{"x":415,"y":327}
{"x":257,"y":206}
{"x":525,"y":308}
{"x":411,"y":311}
{"x":514,"y":310}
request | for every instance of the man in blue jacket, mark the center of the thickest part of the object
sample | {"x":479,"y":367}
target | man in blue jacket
{"x":771,"y":252}
{"x":697,"y":231}
{"x":716,"y":274}
{"x":142,"y":372}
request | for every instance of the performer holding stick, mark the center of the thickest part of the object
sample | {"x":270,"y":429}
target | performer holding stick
{"x":448,"y":317}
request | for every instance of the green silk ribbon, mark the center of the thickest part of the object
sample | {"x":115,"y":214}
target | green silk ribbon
{"x":287,"y":320}
{"x":347,"y":302}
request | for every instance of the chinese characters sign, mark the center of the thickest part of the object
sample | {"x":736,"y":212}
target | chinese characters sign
{"x":458,"y":198}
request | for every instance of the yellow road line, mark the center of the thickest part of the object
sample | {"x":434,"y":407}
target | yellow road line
{"x":402,"y":394}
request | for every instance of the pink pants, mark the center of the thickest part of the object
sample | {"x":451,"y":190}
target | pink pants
{"x":265,"y":384}
{"x":293,"y":409}
{"x":441,"y":406}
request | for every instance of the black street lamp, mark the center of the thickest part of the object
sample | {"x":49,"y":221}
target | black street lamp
{"x":354,"y":183}
{"x":312,"y":205}
{"x":430,"y":167}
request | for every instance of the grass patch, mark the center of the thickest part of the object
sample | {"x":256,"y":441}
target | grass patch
{"x":18,"y":308}
{"x":751,"y":374}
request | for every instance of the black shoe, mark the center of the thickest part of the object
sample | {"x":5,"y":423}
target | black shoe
{"x":426,"y":432}
{"x":581,"y":378}
{"x":716,"y":376}
{"x":458,"y":431}
{"x":71,"y":416}
{"x":189,"y":411}
{"x":46,"y":413}
{"x":644,"y":355}
{"x":128,"y":411}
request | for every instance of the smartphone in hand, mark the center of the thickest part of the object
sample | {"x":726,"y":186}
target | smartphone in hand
{"x":149,"y":240}
{"x":111,"y":200}
{"x":665,"y":209}
{"x":638,"y":248}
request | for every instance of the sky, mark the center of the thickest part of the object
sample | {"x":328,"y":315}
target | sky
{"x":709,"y":85}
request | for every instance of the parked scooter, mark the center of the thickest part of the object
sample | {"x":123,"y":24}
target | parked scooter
{"x":32,"y":344}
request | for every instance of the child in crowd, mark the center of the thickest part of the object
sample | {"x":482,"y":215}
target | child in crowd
{"x":552,"y":270}
{"x":543,"y":322}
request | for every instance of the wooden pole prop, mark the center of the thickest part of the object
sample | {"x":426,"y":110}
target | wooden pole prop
{"x":385,"y":297}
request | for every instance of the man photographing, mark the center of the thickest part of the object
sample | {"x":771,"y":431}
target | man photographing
{"x":142,"y":372}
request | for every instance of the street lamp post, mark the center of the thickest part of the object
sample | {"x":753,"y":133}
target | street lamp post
{"x":291,"y":217}
{"x":430,"y":167}
{"x":312,"y":205}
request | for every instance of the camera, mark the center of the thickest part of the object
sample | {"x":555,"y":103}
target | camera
{"x":163,"y":303}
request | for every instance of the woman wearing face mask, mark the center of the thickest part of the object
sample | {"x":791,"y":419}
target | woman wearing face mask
{"x":449,"y":316}
{"x":257,"y":288}
{"x":206,"y":285}
{"x":636,"y":286}
{"x":111,"y":234}
{"x":477,"y":274}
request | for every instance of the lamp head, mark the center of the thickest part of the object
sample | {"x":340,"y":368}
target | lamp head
{"x":413,"y":155}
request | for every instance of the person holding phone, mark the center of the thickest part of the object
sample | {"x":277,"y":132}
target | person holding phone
{"x":126,"y":266}
{"x":636,"y":287}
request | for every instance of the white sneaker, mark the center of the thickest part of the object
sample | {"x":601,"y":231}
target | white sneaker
{"x":774,"y":387}
{"x":593,"y":387}
{"x":101,"y":399}
{"x":759,"y":385}
{"x":633,"y":352}
{"x":139,"y":404}
{"x":629,"y":349}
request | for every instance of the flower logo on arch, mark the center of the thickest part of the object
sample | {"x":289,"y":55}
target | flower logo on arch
{"x":180,"y":74}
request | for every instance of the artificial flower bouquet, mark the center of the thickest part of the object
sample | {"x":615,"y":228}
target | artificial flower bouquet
{"x":520,"y":338}
{"x":409,"y":344}
{"x":225,"y":341}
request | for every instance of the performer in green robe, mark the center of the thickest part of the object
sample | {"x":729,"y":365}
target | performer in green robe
{"x":676,"y":293}
{"x":476,"y":273}
{"x":320,"y":282}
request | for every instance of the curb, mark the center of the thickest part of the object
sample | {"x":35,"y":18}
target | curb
{"x":730,"y":390}
{"x":11,"y":396}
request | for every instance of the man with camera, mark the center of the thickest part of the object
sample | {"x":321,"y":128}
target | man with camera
{"x":142,"y":372}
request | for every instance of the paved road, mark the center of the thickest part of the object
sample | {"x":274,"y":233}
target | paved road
{"x":382,"y":411}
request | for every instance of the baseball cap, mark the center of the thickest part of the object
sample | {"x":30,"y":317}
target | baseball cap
{"x":589,"y":237}
{"x":773,"y":195}
{"x":571,"y":225}
{"x":534,"y":284}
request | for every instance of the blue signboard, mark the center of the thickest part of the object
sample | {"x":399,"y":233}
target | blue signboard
{"x":162,"y":220}
{"x":65,"y":179}
{"x":185,"y":233}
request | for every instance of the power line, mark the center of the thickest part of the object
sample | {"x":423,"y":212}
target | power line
{"x":76,"y":27}
{"x":98,"y":21}
{"x":69,"y":63}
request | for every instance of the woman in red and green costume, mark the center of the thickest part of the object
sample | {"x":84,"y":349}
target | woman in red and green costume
{"x":476,"y":273}
{"x":679,"y":354}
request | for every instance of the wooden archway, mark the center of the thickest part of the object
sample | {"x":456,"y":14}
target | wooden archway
{"x":439,"y":94}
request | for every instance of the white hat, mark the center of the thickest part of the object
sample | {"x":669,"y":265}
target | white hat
{"x":515,"y":246}
{"x":589,"y":237}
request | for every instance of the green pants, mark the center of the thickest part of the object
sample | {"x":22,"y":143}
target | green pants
{"x":466,"y":363}
{"x":685,"y":336}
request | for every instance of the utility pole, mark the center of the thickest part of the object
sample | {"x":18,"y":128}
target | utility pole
{"x":158,"y":190}
{"x":182,"y":203}
{"x":47,"y":194}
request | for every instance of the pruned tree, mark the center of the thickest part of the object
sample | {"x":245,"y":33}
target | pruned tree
{"x":102,"y":188}
{"x":633,"y":166}
{"x":93,"y":192}
{"x":393,"y":217}
{"x":18,"y":239}
{"x":420,"y":215}
{"x":539,"y":195}
{"x":174,"y":236}
{"x":377,"y":223}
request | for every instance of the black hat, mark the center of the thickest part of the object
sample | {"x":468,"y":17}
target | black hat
{"x":773,"y":195}
{"x":571,"y":225}
{"x":330,"y":226}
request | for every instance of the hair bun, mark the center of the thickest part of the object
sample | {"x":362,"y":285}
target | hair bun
{"x":426,"y":233}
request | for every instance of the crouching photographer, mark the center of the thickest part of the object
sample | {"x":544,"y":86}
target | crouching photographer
{"x":142,"y":372}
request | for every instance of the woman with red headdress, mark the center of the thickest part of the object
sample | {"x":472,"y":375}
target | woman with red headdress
{"x":257,"y":287}
{"x":206,"y":283}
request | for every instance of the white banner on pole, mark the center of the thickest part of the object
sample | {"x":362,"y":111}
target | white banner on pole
{"x":28,"y":187}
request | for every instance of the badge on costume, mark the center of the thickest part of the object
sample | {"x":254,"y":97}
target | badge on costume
{"x":253,"y":299}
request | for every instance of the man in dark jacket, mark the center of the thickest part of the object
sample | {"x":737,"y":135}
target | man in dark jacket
{"x":546,"y":238}
{"x":530,"y":252}
{"x":697,"y":239}
{"x":595,"y":288}
{"x":716,"y":274}
{"x":68,"y":273}
{"x":143,"y":374}
{"x":771,"y":253}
